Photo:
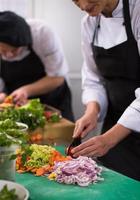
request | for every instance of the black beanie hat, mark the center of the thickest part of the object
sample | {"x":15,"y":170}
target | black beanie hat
{"x":14,"y":30}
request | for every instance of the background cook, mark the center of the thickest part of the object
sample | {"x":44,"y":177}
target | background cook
{"x":33,"y":63}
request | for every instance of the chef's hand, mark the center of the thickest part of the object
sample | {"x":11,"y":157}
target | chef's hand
{"x":99,"y":145}
{"x":88,"y":122}
{"x":2,"y":96}
{"x":94,"y":147}
{"x":20,"y":96}
{"x":84,"y":125}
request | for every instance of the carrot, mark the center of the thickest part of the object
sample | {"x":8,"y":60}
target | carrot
{"x":39,"y":136}
{"x":34,"y":170}
{"x":20,"y":171}
{"x":40,"y":171}
{"x":33,"y":138}
{"x":9,"y":99}
{"x":29,"y":169}
{"x":58,"y":157}
{"x":18,"y":160}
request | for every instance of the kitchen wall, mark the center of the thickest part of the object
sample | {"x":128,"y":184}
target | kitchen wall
{"x":21,"y":7}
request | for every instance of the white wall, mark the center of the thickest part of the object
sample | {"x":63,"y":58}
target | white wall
{"x":21,"y":7}
{"x":64,"y":17}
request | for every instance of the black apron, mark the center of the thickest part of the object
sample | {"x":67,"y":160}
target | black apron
{"x":30,"y":69}
{"x":120,"y":68}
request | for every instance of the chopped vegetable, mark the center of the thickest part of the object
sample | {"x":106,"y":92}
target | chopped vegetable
{"x":36,"y":137}
{"x":9,"y":99}
{"x":10,"y":133}
{"x":43,"y":160}
{"x":52,"y":116}
{"x":38,"y":159}
{"x":82,"y":171}
{"x":8,"y":124}
{"x":31,"y":114}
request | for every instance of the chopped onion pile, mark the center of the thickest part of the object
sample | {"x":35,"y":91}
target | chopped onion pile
{"x":82,"y":171}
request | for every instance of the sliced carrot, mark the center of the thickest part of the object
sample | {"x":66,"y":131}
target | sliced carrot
{"x":20,"y":171}
{"x":29,"y":169}
{"x":40,"y":171}
{"x":34,"y":170}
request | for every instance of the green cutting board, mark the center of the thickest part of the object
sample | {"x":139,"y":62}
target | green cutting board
{"x":114,"y":187}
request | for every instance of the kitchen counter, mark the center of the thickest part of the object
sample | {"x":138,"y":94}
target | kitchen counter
{"x":114,"y":187}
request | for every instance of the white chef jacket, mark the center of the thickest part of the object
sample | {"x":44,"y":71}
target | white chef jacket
{"x":47,"y":46}
{"x":92,"y":81}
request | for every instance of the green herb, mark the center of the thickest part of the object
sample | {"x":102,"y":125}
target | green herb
{"x":6,"y":194}
{"x":10,"y":133}
{"x":31,"y":114}
{"x":55,"y":117}
{"x":26,"y":153}
{"x":8,"y":124}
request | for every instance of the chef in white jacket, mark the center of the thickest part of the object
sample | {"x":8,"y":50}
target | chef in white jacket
{"x":33,"y":64}
{"x":110,"y":78}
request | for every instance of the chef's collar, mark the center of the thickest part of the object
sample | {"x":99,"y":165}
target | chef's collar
{"x":25,"y":52}
{"x":118,"y":10}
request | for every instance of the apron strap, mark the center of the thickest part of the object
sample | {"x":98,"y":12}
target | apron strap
{"x":98,"y":18}
{"x":127,"y":19}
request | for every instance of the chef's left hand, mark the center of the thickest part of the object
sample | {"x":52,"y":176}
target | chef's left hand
{"x":99,"y":145}
{"x":94,"y":147}
{"x":20,"y":96}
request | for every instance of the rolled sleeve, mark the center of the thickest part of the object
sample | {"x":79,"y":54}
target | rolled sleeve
{"x":89,"y":96}
{"x":131,"y":117}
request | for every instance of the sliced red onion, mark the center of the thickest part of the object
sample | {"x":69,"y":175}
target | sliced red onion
{"x":82,"y":171}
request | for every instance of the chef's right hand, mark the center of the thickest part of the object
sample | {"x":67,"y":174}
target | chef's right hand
{"x":2,"y":96}
{"x":89,"y":120}
{"x":84,"y":125}
{"x":20,"y":95}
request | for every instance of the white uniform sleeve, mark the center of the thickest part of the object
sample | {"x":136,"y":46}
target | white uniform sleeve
{"x":131,"y":117}
{"x":92,"y":84}
{"x":48,"y":47}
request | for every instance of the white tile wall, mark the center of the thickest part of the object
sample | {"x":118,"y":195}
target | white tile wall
{"x":21,"y":7}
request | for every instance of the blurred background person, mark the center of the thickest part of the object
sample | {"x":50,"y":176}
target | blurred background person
{"x":33,"y":63}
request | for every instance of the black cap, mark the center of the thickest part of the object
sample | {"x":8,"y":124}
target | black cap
{"x":14,"y":30}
